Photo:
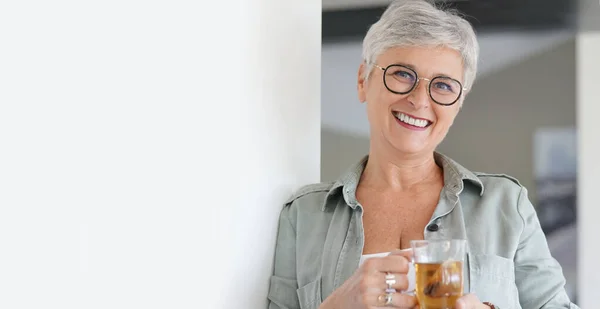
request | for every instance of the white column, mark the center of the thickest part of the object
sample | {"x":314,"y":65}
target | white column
{"x":588,"y":109}
{"x":146,"y":148}
{"x":588,"y":104}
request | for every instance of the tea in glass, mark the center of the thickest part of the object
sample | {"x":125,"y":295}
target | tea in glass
{"x":439,"y":272}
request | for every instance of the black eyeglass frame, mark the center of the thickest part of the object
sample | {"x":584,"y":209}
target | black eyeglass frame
{"x":418,"y":79}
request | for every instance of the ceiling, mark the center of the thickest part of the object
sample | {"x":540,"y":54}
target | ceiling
{"x":351,"y":4}
{"x":350,"y":19}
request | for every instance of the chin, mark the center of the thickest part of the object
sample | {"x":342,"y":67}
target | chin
{"x":409,"y":148}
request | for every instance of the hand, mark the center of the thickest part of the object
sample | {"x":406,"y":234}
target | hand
{"x":470,"y":301}
{"x":364,"y":289}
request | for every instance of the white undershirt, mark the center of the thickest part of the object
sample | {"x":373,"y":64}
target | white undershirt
{"x":365,"y":257}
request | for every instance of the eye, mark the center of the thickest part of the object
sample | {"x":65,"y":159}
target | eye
{"x":444,"y":86}
{"x":403,"y":75}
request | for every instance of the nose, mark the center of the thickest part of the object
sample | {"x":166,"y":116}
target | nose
{"x":419,"y":96}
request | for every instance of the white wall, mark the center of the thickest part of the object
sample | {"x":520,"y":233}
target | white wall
{"x":147,"y":147}
{"x":588,"y":100}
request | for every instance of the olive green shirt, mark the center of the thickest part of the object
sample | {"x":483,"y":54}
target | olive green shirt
{"x":320,"y":241}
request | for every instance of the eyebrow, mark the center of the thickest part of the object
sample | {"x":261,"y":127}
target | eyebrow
{"x":415,"y":69}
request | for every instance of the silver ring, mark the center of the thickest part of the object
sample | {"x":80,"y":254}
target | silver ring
{"x":386,"y":299}
{"x":390,"y":280}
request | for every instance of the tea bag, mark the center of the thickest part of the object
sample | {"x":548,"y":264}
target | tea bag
{"x":445,"y":281}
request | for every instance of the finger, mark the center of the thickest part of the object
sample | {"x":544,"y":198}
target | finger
{"x":398,"y":301}
{"x":407,"y":253}
{"x":378,"y":280}
{"x":391,"y":263}
{"x":467,"y":301}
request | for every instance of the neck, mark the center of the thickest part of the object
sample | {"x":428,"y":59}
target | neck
{"x":399,"y":173}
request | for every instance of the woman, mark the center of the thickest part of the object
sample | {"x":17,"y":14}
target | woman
{"x":419,"y":64}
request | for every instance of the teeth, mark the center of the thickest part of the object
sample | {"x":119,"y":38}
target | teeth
{"x":412,"y":121}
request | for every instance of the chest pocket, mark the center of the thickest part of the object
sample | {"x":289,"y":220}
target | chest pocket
{"x":492,"y":279}
{"x":309,"y":295}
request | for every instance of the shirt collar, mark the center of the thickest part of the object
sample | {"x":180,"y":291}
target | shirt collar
{"x":455,"y":176}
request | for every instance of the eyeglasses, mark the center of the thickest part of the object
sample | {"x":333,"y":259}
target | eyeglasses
{"x":400,"y":79}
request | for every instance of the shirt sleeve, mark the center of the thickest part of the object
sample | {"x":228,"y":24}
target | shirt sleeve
{"x":539,"y":276}
{"x":283,"y":282}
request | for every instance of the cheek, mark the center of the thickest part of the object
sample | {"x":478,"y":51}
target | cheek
{"x":381,"y":99}
{"x":371,"y":94}
{"x":374,"y":101}
{"x":375,"y":90}
{"x":446,"y":117}
{"x":374,"y":112}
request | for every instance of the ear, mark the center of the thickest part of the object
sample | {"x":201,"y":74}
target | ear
{"x":362,"y":92}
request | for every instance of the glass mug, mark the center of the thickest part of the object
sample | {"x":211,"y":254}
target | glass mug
{"x":438,"y":272}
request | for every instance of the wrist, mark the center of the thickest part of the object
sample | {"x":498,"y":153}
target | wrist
{"x":330,"y":302}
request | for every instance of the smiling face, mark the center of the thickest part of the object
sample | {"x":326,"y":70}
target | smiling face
{"x":410,"y":123}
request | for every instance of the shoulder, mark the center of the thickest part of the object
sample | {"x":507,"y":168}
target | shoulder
{"x":310,"y":190}
{"x":310,"y":198}
{"x":305,"y":207}
{"x":500,"y":206}
{"x":503,"y":191}
{"x":481,"y":182}
{"x":498,"y":180}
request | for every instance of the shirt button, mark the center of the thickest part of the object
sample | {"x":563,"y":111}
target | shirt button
{"x":433,"y":227}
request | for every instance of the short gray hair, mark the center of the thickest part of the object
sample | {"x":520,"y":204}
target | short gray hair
{"x":407,"y":23}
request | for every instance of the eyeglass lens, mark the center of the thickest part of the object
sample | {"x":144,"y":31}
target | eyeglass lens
{"x":402,"y":80}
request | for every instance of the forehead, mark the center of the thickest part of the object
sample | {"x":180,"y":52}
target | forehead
{"x":427,"y":61}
